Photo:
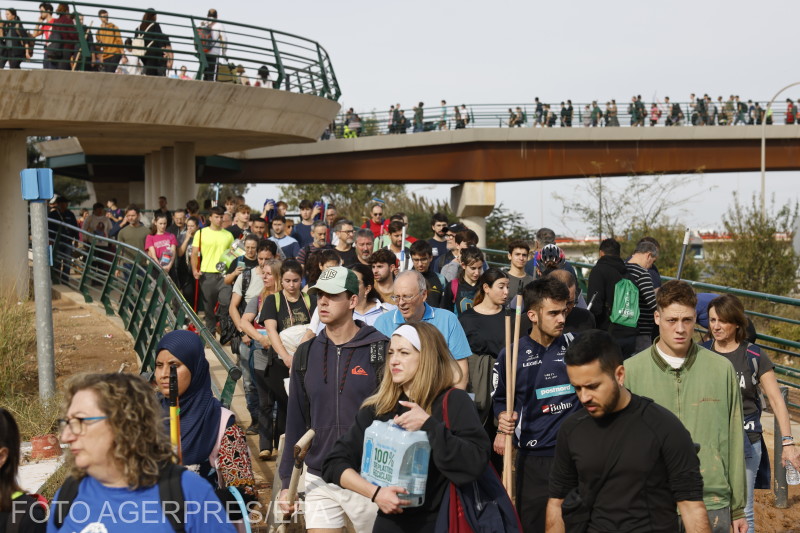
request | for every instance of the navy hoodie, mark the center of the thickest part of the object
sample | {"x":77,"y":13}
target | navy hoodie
{"x":335,"y":395}
{"x":543,"y":395}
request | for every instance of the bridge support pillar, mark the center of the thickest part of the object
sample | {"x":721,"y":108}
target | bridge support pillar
{"x":184,"y":186}
{"x":14,"y":271}
{"x":472,"y":202}
{"x":167,"y":174}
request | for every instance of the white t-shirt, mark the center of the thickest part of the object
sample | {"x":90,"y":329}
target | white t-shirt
{"x":674,"y":362}
{"x":253,"y":289}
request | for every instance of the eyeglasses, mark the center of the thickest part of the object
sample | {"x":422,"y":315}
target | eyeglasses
{"x":348,"y":231}
{"x":449,"y":236}
{"x":404,"y":299}
{"x":378,"y":214}
{"x":77,"y":425}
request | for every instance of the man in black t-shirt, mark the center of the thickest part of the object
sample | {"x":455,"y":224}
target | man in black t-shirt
{"x":438,"y":242}
{"x":631,"y":460}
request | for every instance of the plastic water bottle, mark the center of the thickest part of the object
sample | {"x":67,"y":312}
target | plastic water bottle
{"x":792,"y":476}
{"x":394,"y":456}
{"x":166,"y":257}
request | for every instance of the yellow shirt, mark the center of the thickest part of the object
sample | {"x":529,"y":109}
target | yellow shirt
{"x":212,"y":245}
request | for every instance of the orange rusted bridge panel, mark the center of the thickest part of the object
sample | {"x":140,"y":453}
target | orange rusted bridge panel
{"x":495,"y":154}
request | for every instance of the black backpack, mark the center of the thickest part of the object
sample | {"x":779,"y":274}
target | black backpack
{"x":229,"y":331}
{"x":169,"y":490}
{"x":377,"y":357}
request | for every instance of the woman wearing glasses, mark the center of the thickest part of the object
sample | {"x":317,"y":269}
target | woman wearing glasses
{"x":118,"y":448}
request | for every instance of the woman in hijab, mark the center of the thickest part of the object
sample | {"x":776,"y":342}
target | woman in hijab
{"x":211,"y":443}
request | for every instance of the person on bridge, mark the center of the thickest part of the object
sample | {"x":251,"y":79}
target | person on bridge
{"x":157,"y":58}
{"x":676,"y":373}
{"x":15,"y":41}
{"x":631,"y":461}
{"x":214,"y":44}
{"x":109,"y":43}
{"x":542,"y":400}
{"x":755,"y":372}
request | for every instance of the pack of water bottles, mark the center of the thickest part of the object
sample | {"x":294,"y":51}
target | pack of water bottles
{"x":395,"y":457}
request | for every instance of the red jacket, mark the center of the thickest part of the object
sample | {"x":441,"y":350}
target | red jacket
{"x":377,"y":229}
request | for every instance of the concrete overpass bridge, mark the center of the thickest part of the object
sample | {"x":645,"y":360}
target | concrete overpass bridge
{"x":155,"y":125}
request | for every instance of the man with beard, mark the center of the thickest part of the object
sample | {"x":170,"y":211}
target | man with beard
{"x":364,"y":243}
{"x":630,"y":459}
{"x":345,"y":232}
{"x":438,"y":242}
{"x":542,"y":400}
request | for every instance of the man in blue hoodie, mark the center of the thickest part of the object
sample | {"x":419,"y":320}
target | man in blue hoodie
{"x":341,"y":370}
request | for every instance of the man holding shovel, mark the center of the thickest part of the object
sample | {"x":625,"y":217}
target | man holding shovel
{"x":543,"y":397}
{"x":332,"y":374}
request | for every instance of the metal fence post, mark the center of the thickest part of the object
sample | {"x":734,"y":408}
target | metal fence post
{"x":42,"y":290}
{"x":779,"y":485}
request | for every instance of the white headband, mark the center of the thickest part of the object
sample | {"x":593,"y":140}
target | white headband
{"x":410,"y":334}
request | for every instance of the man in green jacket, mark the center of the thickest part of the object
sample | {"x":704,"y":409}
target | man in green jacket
{"x":700,"y":388}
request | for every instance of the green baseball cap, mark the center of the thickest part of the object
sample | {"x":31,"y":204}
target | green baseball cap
{"x":336,"y":280}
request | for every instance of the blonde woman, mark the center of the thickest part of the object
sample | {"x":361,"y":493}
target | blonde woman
{"x":419,"y":371}
{"x":271,"y":275}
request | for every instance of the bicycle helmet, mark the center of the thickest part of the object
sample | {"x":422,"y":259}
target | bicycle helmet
{"x":551,"y":255}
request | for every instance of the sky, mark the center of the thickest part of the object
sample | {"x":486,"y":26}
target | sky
{"x":510,"y":51}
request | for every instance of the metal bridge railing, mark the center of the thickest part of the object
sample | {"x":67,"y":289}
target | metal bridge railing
{"x":294,"y":63}
{"x":776,"y":345}
{"x":130,"y":284}
{"x":377,"y":122}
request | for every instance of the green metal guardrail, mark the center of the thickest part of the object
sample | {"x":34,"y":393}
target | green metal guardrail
{"x":376,"y":122}
{"x":130,"y":284}
{"x":295,"y":63}
{"x":777,"y":345}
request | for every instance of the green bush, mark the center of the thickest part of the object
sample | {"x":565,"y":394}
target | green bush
{"x":17,"y":345}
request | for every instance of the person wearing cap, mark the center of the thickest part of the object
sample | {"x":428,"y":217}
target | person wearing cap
{"x":450,"y":244}
{"x":62,"y":255}
{"x":463,"y":239}
{"x":339,"y":376}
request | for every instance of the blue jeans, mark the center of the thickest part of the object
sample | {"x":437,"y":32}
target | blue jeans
{"x":752,"y":458}
{"x":250,"y":391}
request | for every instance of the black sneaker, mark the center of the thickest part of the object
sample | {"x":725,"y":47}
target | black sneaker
{"x":252,"y":430}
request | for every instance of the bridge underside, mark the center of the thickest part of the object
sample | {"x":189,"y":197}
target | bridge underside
{"x":524,"y":160}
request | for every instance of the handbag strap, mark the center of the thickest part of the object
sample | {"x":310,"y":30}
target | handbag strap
{"x":612,"y":460}
{"x":444,"y":409}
